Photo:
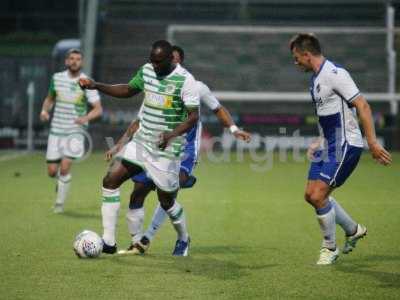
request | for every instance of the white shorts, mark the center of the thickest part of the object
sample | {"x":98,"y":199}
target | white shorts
{"x":69,"y":146}
{"x":163,"y":171}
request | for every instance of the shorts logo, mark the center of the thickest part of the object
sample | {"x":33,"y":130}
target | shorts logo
{"x":324,"y":175}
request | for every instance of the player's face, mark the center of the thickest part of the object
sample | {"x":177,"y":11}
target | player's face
{"x":302,"y":60}
{"x":74,"y":62}
{"x":161,"y":62}
{"x":177,"y":57}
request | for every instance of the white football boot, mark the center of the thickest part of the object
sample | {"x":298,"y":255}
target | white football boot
{"x":352,"y":240}
{"x":58,"y":208}
{"x":327,"y":256}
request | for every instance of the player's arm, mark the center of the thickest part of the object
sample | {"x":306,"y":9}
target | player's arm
{"x":48,"y":102}
{"x":135,"y":86}
{"x":114,"y":90}
{"x":46,"y":108}
{"x":124,"y":139}
{"x":221,"y":112}
{"x":365,"y":115}
{"x":314,"y":146}
{"x":192,"y":119}
{"x":94,"y":113}
{"x":226,"y":120}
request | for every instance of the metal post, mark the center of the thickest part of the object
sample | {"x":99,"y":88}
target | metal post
{"x":390,"y":23}
{"x":90,"y":35}
{"x":31,"y":96}
{"x":81,"y":20}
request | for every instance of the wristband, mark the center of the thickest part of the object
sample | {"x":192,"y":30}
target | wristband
{"x":233,"y":128}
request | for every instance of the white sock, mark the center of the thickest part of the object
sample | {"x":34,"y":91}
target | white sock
{"x":326,"y":219}
{"x":135,"y":218}
{"x":177,"y":216}
{"x":109,"y":212}
{"x":343,"y":218}
{"x":158,"y":219}
{"x":63,"y":184}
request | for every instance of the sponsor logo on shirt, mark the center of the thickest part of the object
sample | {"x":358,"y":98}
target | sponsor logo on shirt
{"x":158,"y":100}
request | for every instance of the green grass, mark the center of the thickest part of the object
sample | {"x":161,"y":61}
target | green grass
{"x":253,"y":237}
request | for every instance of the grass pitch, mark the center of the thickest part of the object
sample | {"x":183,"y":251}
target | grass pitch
{"x":253,"y":237}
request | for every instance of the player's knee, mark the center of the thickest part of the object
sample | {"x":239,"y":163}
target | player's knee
{"x":109,"y":182}
{"x":136,"y":200}
{"x":183,"y":177}
{"x":52,"y":172}
{"x":64,"y":171}
{"x":166,"y":204}
{"x":313,"y":197}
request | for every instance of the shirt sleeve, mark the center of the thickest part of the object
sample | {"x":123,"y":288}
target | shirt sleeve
{"x":344,"y":85}
{"x":137,"y":81}
{"x":190,"y":93}
{"x":52,"y":90}
{"x":92,"y":96}
{"x":140,"y":113}
{"x":207,"y":97}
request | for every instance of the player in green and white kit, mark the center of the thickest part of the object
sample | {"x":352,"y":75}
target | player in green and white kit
{"x":69,"y":122}
{"x":169,"y":111}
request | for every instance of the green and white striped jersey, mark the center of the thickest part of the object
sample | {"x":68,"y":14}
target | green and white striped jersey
{"x":70,"y":103}
{"x":165,"y":106}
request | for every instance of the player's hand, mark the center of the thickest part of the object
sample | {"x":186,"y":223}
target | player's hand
{"x":114,"y":150}
{"x":44,"y":116}
{"x":380,"y":154}
{"x":165,"y":137}
{"x":315,"y":145}
{"x":87,"y":83}
{"x":81,"y":120}
{"x":242,"y":135}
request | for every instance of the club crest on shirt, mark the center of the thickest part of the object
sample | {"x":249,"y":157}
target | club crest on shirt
{"x":170,"y":88}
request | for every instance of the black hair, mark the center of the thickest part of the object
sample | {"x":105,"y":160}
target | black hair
{"x":180,"y":51}
{"x":306,"y":42}
{"x":164,"y":45}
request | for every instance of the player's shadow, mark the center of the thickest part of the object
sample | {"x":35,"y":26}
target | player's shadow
{"x":197,"y":264}
{"x":363,"y":267}
{"x":223,"y":249}
{"x":77,"y":215}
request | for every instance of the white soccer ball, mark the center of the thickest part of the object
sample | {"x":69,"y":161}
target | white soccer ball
{"x":88,"y":244}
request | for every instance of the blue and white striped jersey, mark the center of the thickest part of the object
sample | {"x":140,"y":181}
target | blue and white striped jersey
{"x":333,"y":90}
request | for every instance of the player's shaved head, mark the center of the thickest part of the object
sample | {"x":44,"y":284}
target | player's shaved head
{"x":306,"y":42}
{"x":161,"y":57}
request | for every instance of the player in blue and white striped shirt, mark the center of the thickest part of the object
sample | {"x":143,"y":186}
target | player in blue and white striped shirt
{"x":336,"y":154}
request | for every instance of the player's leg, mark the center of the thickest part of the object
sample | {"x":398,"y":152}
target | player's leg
{"x":186,"y":180}
{"x":52,"y":168}
{"x":63,"y":184}
{"x":159,"y":215}
{"x":352,"y":229}
{"x":119,"y":171}
{"x":177,"y":216}
{"x":317,"y":192}
{"x":53,"y":158}
{"x":135,"y":214}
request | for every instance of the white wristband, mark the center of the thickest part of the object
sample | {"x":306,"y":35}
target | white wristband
{"x":233,"y":128}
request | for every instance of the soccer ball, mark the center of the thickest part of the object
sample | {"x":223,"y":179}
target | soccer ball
{"x":88,"y":244}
